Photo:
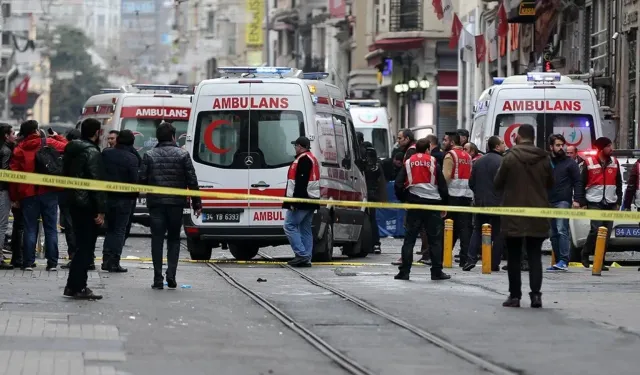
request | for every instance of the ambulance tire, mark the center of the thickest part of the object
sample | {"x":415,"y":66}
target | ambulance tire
{"x":243,"y":251}
{"x":364,"y":245}
{"x":323,"y":248}
{"x":199,"y":249}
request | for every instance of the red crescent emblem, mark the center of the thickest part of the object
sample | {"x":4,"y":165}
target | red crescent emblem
{"x":136,"y":134}
{"x":579,"y":140}
{"x":208,"y":136}
{"x":375,"y":118}
{"x":510,"y":135}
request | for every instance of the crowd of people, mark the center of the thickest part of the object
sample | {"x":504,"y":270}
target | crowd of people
{"x":84,"y":213}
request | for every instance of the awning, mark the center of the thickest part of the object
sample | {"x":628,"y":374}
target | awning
{"x":397,"y":44}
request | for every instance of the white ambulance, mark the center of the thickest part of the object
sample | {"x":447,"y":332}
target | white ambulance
{"x":240,"y":137}
{"x":370,"y":118}
{"x":553,"y":104}
{"x":140,"y":108}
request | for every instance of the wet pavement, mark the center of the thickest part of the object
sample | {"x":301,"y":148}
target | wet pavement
{"x":588,"y":325}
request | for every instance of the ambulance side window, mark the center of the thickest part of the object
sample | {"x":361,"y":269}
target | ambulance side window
{"x":342,"y":139}
{"x":326,"y":139}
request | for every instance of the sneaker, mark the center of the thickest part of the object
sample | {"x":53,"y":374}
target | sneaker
{"x":52,"y":268}
{"x":84,"y":294}
{"x":397,"y":262}
{"x":28,"y":269}
{"x":560,"y":266}
{"x":469,"y":266}
{"x":377,"y":249}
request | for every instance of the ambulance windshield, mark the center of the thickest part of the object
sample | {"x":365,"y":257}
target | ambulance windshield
{"x":145,"y":132}
{"x":225,"y":139}
{"x":577,"y":129}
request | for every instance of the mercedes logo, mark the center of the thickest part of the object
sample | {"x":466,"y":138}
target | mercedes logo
{"x":248,"y":160}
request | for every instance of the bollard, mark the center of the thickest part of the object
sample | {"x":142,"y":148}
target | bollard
{"x":598,"y":256}
{"x":486,"y":248}
{"x":447,"y":256}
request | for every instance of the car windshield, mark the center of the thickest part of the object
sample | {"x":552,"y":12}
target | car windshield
{"x":145,"y":132}
{"x":225,"y":139}
{"x":577,"y":129}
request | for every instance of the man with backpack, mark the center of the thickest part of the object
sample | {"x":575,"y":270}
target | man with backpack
{"x":38,"y":153}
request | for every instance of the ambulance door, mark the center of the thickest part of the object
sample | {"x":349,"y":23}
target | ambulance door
{"x":518,"y":106}
{"x":277,"y":120}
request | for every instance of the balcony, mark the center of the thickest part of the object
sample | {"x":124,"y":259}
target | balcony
{"x":405,"y":15}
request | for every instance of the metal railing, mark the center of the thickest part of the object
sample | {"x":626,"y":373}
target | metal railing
{"x":405,"y":15}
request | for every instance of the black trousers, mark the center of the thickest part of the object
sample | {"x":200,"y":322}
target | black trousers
{"x":86,"y":231}
{"x":374,"y":226}
{"x":434,"y":226}
{"x":67,"y":224}
{"x":533,"y":246}
{"x":497,"y":239}
{"x":462,"y":226}
{"x":17,"y":232}
{"x":590,"y":244}
{"x":165,"y":220}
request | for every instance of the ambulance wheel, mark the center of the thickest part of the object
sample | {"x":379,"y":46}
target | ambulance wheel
{"x":323,"y":248}
{"x":199,"y":249}
{"x":364,"y":245}
{"x":243,"y":252}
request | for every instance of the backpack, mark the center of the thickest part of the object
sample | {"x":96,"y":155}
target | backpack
{"x":48,"y":159}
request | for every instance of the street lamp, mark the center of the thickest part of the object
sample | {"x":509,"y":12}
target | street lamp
{"x":424,"y":84}
{"x":405,"y":87}
{"x":398,"y":88}
{"x":413,"y":84}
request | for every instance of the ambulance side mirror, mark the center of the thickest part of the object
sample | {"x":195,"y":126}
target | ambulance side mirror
{"x":346,"y":162}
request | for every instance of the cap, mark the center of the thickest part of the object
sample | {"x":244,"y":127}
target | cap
{"x":602,"y":142}
{"x":303,"y":142}
{"x":463,"y":132}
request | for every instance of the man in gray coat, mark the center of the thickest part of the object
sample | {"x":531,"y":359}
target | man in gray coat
{"x":485,"y":195}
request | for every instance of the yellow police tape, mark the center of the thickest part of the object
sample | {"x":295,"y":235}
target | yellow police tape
{"x":85,"y":184}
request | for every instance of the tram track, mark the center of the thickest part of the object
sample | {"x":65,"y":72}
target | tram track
{"x":336,"y":355}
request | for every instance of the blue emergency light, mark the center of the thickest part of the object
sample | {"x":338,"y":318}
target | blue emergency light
{"x":498,"y":80}
{"x":543,"y":77}
{"x":170,"y":88}
{"x":255,"y":70}
{"x":315,"y":75}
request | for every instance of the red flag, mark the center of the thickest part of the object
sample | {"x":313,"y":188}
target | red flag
{"x":456,"y":30}
{"x":437,"y":6}
{"x":481,"y":49}
{"x":20,"y":93}
{"x":503,"y":23}
{"x":337,"y":8}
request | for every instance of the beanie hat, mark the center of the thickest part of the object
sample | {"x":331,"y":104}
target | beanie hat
{"x":601,"y":143}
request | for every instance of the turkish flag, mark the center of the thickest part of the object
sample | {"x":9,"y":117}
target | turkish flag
{"x":437,"y":7}
{"x":21,"y":92}
{"x":481,"y":49}
{"x":337,"y":8}
{"x":456,"y":30}
{"x":503,"y":23}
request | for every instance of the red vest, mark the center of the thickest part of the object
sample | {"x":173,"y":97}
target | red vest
{"x":313,"y":188}
{"x":460,"y":174}
{"x":404,"y":160}
{"x":422,"y":176}
{"x":601,"y":184}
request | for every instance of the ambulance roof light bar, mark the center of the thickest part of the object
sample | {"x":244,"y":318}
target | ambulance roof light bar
{"x":544,"y":77}
{"x":245,"y":71}
{"x":316,"y":76}
{"x":364,"y":102}
{"x":175,"y":89}
{"x":498,"y":80}
{"x":109,"y":91}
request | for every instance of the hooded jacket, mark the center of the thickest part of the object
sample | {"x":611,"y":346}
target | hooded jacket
{"x":82,"y":159}
{"x":525,"y":177}
{"x":24,"y":160}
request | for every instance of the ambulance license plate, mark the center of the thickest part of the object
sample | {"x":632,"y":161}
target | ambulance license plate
{"x":220,"y":217}
{"x":627,"y":231}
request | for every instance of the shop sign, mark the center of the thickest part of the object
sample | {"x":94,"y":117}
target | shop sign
{"x":523,"y":12}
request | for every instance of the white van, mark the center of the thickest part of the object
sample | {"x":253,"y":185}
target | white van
{"x":140,"y":108}
{"x":553,"y":104}
{"x":239,"y":137}
{"x":372,"y":121}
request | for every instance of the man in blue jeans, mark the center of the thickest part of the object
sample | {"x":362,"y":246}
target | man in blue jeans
{"x":303,"y":181}
{"x":567,"y":192}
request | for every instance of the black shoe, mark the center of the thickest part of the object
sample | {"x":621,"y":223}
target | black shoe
{"x":402,"y":276}
{"x":304,"y":264}
{"x":505,"y":267}
{"x":117,"y":268}
{"x":105,"y":266}
{"x":157,"y":285}
{"x":511,"y":302}
{"x":536,"y":300}
{"x":495,"y":269}
{"x":585,"y":260}
{"x":377,"y":249}
{"x":440,"y":276}
{"x":605,"y":268}
{"x":296,"y":260}
{"x":171,"y":282}
{"x":469,"y":266}
{"x":84,"y":294}
{"x":52,"y":268}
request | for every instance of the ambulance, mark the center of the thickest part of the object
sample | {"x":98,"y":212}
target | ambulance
{"x":372,"y":120}
{"x":240,"y":138}
{"x":140,"y":108}
{"x":553,"y":104}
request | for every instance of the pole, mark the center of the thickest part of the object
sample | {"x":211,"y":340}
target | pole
{"x":267,"y":39}
{"x":447,"y":258}
{"x":5,"y":113}
{"x":486,"y":248}
{"x":598,"y":256}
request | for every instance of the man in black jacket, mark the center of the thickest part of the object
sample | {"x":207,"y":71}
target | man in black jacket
{"x":376,"y":190}
{"x":422,"y":182}
{"x":82,"y":159}
{"x":167,"y":165}
{"x":121,"y":162}
{"x":485,"y":195}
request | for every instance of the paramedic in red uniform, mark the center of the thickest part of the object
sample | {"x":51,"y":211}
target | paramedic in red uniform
{"x":422,"y":182}
{"x":632,"y":194}
{"x":457,"y":172}
{"x":303,"y":181}
{"x":603,"y":190}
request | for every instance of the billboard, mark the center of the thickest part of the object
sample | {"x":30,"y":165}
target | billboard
{"x":254,"y":32}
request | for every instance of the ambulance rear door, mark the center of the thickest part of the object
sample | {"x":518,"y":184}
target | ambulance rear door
{"x":514,"y":107}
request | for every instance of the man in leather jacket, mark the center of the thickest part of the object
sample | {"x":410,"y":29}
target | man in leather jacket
{"x":82,"y":159}
{"x":167,"y":165}
{"x":376,"y":190}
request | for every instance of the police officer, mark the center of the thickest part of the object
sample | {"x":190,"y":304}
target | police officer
{"x":602,"y":180}
{"x":422,"y":182}
{"x":632,"y":194}
{"x":376,"y":190}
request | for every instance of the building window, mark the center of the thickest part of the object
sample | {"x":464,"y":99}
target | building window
{"x":6,"y":39}
{"x":211,"y":17}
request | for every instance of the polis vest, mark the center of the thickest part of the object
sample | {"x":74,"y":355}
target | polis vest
{"x":313,"y":188}
{"x":422,"y":176}
{"x":601,"y":183}
{"x":460,"y":174}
